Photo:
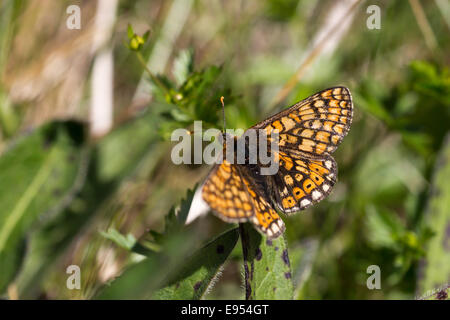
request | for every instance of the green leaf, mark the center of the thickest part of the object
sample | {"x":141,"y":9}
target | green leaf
{"x":183,"y":66}
{"x":436,"y":265}
{"x":303,"y":256}
{"x":130,"y":31}
{"x":166,"y":255}
{"x":431,"y":81}
{"x":198,"y":97}
{"x":200,"y":271}
{"x":37,"y":174}
{"x":185,"y":206}
{"x":176,"y":218}
{"x":107,"y":166}
{"x":267,"y":266}
{"x":142,"y":279}
{"x":121,"y":240}
{"x":146,"y":35}
{"x":382,"y":227}
{"x":370,"y":99}
{"x":281,"y":10}
{"x":113,"y":163}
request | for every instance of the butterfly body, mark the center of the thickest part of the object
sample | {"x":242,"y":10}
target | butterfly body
{"x":309,"y":132}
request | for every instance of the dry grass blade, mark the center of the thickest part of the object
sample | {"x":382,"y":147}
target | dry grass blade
{"x":314,"y":53}
{"x":424,"y":26}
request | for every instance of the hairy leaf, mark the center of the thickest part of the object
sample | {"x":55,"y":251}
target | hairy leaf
{"x":436,"y":265}
{"x":197,"y":274}
{"x":267,"y":266}
{"x":37,"y":176}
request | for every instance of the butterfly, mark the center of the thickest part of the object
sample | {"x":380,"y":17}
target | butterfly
{"x":309,"y":132}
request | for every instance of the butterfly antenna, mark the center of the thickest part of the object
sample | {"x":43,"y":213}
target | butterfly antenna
{"x":223,"y":113}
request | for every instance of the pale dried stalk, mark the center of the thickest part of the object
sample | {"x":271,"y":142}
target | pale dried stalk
{"x":424,"y":26}
{"x":102,"y":105}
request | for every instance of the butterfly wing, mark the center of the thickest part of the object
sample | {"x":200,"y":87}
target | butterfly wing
{"x":313,"y":126}
{"x":231,"y":191}
{"x":300,"y":182}
{"x":309,"y":132}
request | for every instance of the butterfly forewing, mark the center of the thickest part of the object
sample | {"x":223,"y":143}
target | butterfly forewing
{"x":313,"y":126}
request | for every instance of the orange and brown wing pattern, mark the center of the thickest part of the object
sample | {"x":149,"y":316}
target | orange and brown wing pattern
{"x":234,"y":197}
{"x":314,"y":126}
{"x":309,"y":132}
{"x":301,"y":182}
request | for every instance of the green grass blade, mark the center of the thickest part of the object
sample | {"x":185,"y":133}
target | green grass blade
{"x":435,"y":271}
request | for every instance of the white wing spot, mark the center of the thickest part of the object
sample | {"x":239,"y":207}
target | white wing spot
{"x":316,"y":195}
{"x":280,"y":223}
{"x":305,"y":202}
{"x":275,"y":228}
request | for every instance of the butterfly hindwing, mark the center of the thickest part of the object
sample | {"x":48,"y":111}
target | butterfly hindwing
{"x":265,"y":218}
{"x":301,"y":182}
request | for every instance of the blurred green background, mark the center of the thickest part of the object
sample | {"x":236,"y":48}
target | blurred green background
{"x":85,"y":169}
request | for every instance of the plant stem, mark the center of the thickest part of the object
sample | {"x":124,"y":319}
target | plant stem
{"x":312,"y":55}
{"x":245,"y":247}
